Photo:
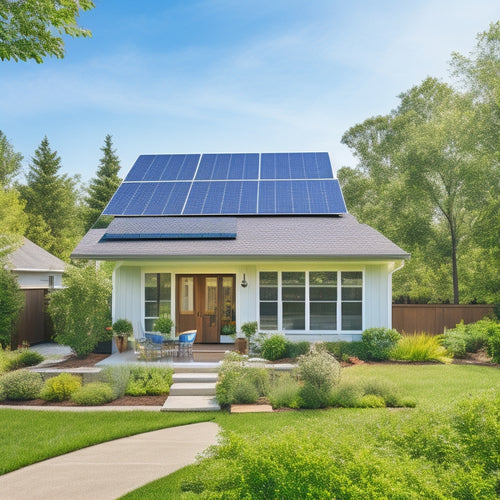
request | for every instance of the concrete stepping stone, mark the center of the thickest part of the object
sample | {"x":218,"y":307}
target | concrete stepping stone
{"x":191,"y":403}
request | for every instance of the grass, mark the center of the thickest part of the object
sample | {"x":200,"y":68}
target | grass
{"x":27,"y":436}
{"x":31,"y":436}
{"x":434,"y":387}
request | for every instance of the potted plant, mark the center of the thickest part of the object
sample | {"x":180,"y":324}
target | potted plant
{"x":248,"y":329}
{"x":164,"y":325}
{"x":228,"y":329}
{"x":122,"y":328}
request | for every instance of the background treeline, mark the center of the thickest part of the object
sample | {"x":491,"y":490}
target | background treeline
{"x":51,"y":209}
{"x":428,"y":179}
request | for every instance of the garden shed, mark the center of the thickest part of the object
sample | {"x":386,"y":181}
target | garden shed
{"x":37,"y":272}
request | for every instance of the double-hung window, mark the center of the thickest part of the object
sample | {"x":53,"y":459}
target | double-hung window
{"x":311,"y":300}
{"x":157,"y":297}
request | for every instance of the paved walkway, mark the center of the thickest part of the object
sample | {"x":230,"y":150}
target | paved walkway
{"x":109,"y":470}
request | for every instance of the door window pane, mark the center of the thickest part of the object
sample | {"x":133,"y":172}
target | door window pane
{"x":210,"y":295}
{"x":228,"y":313}
{"x":187,"y":295}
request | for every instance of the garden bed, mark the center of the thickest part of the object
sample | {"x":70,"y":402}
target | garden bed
{"x":125,"y":401}
{"x":75,"y":362}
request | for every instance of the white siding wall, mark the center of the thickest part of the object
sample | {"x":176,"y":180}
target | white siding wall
{"x":29,"y":279}
{"x":377,"y":282}
{"x":128,"y":295}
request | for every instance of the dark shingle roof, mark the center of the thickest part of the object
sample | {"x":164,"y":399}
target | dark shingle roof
{"x":259,"y":237}
{"x":31,"y":257}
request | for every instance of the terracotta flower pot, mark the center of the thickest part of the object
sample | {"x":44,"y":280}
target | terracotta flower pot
{"x":121,"y":342}
{"x":241,"y":345}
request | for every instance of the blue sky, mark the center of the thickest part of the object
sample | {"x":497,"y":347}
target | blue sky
{"x":167,"y":76}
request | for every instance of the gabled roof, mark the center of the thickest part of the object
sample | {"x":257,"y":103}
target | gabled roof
{"x":339,"y":237}
{"x":31,"y":257}
{"x":248,"y":205}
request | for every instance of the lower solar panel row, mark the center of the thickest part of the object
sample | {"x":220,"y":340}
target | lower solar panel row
{"x":228,"y":198}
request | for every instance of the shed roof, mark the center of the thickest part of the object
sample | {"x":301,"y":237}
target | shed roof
{"x":341,"y":237}
{"x":31,"y":257}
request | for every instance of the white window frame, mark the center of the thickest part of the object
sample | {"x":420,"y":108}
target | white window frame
{"x":143,"y":295}
{"x":307,"y":318}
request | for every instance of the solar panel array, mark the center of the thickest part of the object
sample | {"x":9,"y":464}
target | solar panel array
{"x":229,"y":184}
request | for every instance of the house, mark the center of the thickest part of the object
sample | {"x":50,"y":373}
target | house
{"x":218,"y":239}
{"x":37,"y":271}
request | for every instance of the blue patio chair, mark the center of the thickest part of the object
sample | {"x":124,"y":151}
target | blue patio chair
{"x":147,"y":346}
{"x":186,"y":341}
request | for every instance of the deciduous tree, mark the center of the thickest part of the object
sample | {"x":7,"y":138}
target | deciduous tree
{"x":10,"y":162}
{"x":80,"y":311}
{"x":32,"y":29}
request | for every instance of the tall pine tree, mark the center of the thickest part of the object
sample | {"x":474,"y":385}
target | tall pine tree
{"x":103,"y":187}
{"x":51,"y":203}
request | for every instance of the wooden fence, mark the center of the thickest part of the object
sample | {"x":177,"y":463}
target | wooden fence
{"x":434,"y":318}
{"x":34,"y":324}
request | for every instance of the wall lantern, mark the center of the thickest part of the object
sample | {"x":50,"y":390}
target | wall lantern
{"x":244,"y":283}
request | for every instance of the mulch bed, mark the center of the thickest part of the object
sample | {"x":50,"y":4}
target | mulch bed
{"x":75,"y":362}
{"x":125,"y":401}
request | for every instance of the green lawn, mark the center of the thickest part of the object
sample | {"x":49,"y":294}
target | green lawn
{"x":435,"y":387}
{"x":30,"y":436}
{"x":27,"y":436}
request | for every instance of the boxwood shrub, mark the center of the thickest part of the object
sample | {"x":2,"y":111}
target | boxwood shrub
{"x":21,"y":385}
{"x":92,"y":394}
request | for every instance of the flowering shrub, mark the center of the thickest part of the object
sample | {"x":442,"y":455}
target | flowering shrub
{"x":61,"y":387}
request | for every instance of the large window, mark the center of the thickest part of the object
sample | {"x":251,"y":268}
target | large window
{"x":268,"y":288}
{"x":323,"y":300}
{"x":311,"y":301}
{"x":157,"y":297}
{"x":293,"y":300}
{"x":352,"y":296}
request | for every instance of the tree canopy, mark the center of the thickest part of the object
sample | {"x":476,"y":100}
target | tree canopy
{"x":10,"y":162}
{"x":32,"y":29}
{"x":51,"y":203}
{"x":428,"y":178}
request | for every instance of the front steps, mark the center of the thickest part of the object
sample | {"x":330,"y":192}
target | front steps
{"x":193,"y":389}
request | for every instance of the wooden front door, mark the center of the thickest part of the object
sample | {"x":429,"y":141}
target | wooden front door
{"x":205,"y":302}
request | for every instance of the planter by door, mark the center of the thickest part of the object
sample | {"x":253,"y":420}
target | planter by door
{"x":121,"y":342}
{"x":241,"y":345}
{"x":103,"y":347}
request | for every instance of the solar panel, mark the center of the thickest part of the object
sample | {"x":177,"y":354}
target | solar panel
{"x":152,"y":228}
{"x":229,"y":184}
